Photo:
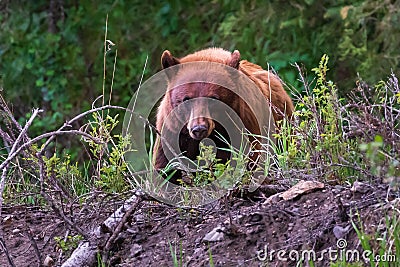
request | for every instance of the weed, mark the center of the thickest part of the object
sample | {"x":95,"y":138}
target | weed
{"x":68,"y":244}
{"x":177,"y":262}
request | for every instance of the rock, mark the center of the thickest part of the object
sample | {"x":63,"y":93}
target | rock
{"x":216,"y":234}
{"x":300,"y":188}
{"x":271,"y":200}
{"x":340,"y":232}
{"x":48,"y":261}
{"x":359,"y":187}
{"x":136,"y":249}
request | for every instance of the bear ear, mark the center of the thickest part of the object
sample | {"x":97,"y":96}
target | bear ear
{"x":167,"y":60}
{"x":235,"y":59}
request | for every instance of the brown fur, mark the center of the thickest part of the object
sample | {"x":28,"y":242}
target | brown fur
{"x":268,"y":83}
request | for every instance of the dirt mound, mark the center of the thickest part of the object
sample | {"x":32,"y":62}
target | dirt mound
{"x":250,"y":230}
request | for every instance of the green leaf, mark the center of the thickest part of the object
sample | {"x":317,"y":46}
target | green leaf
{"x":39,"y":82}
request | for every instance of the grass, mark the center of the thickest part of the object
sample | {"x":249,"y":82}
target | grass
{"x":177,"y":262}
{"x":383,"y":243}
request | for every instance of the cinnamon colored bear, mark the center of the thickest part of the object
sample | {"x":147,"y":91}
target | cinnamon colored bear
{"x":197,"y":127}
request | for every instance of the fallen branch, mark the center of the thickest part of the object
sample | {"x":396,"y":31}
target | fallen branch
{"x":106,"y":233}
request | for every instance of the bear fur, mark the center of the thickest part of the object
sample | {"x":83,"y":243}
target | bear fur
{"x":202,"y":127}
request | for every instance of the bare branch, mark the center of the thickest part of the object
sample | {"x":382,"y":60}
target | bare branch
{"x":79,"y":116}
{"x":33,"y":243}
{"x":13,"y":148}
{"x":53,"y":205}
{"x":119,"y":227}
{"x":46,"y":135}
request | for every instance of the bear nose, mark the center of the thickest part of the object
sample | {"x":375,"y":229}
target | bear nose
{"x":199,"y":131}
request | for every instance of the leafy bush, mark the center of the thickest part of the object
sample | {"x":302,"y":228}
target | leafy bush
{"x":340,"y":140}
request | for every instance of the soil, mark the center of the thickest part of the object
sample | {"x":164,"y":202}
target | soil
{"x":241,"y":230}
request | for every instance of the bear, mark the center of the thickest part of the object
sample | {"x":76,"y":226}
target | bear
{"x":198,"y":123}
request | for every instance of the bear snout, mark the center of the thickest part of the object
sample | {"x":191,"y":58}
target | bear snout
{"x":199,"y":132}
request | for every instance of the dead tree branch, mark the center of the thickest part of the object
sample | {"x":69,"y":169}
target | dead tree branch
{"x":13,"y":148}
{"x":85,"y":254}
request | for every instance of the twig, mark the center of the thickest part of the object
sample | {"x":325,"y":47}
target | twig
{"x":120,"y":226}
{"x":34,"y":244}
{"x":13,"y":148}
{"x":85,"y":254}
{"x":53,"y":205}
{"x":61,"y":251}
{"x":46,"y":135}
{"x":79,"y":116}
{"x":3,"y":245}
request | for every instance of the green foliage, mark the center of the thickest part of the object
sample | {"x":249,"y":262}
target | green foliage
{"x":330,"y":138}
{"x":378,"y":132}
{"x":364,"y":238}
{"x":101,"y":129}
{"x":100,"y":262}
{"x":176,"y":262}
{"x":111,"y":166}
{"x":210,"y":257}
{"x":368,"y":36}
{"x":210,"y":169}
{"x":69,"y":244}
{"x":114,"y":168}
{"x":317,"y":138}
{"x":66,"y":174}
{"x":374,"y":154}
{"x":37,"y":64}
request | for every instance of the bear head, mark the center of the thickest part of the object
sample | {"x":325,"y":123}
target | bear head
{"x":194,"y":102}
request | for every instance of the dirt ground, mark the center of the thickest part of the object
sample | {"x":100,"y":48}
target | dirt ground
{"x":243,"y":230}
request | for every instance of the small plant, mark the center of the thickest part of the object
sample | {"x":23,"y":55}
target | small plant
{"x":313,"y":141}
{"x":384,"y":243}
{"x":68,"y":244}
{"x":177,"y":262}
{"x":111,"y":167}
{"x":373,"y":119}
{"x":209,"y":167}
{"x":210,"y":257}
{"x":330,"y":138}
{"x":228,"y":174}
{"x":66,"y":174}
{"x":100,"y":262}
{"x":374,"y":154}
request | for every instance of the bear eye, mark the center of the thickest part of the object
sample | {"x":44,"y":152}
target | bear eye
{"x":185,"y":99}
